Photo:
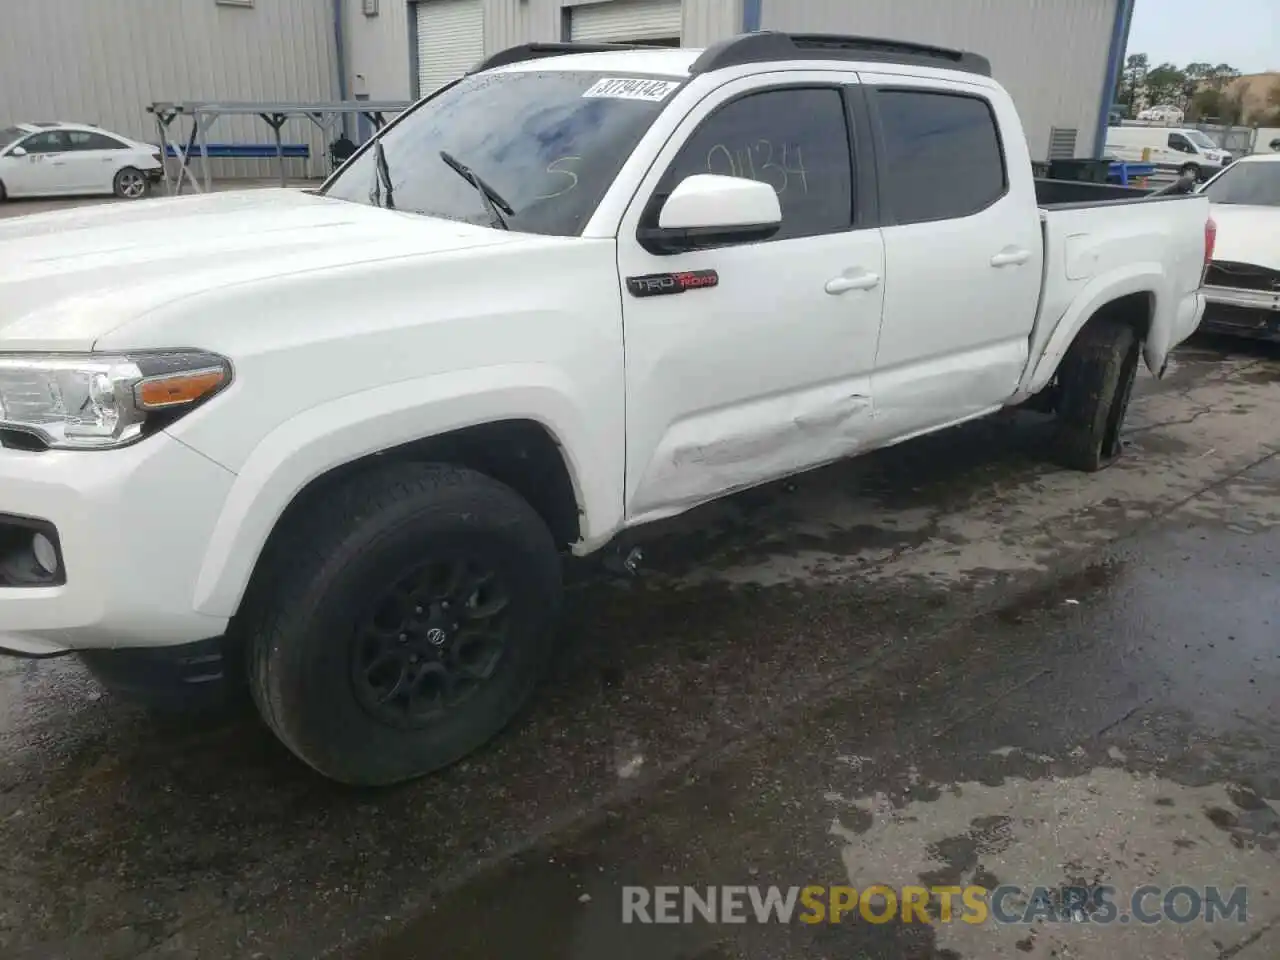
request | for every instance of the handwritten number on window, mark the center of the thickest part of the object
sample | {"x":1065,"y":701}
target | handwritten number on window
{"x":780,"y":167}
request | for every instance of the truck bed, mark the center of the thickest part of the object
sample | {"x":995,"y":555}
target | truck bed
{"x":1074,"y":193}
{"x":1093,"y":232}
{"x":1065,"y":193}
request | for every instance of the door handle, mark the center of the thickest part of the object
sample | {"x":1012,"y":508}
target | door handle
{"x":862,"y":280}
{"x":1010,"y":258}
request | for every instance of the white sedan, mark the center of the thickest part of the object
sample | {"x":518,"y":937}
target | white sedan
{"x":1242,"y":285}
{"x":64,"y":159}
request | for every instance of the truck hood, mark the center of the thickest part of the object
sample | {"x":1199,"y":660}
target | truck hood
{"x":69,"y":277}
{"x":1247,"y":234}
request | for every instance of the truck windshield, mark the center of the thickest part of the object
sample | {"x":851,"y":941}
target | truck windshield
{"x":1254,"y":184}
{"x":547,"y":144}
{"x":1201,"y":140}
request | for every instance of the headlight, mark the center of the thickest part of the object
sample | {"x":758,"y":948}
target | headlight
{"x":100,"y":401}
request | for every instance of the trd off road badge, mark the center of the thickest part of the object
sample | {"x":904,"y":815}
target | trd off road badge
{"x":657,"y":284}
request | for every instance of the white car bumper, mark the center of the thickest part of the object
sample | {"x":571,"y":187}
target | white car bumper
{"x":131,"y":525}
{"x":1245,"y":313}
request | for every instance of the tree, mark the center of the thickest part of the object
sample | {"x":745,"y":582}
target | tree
{"x":1166,"y":84}
{"x":1199,"y":72}
{"x":1210,"y":104}
{"x":1223,"y":73}
{"x":1132,"y":79}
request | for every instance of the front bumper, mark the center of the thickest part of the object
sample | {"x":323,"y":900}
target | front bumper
{"x":1242,"y":313}
{"x":132,"y":526}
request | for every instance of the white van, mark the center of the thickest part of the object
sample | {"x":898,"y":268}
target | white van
{"x":1182,"y":148}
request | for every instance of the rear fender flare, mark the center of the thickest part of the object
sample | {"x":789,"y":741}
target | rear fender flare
{"x":1149,"y":278}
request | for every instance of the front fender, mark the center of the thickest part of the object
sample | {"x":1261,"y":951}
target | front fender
{"x":1148,"y":278}
{"x":345,"y":429}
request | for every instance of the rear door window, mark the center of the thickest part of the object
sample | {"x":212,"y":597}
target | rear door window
{"x":942,"y":155}
{"x":86,"y":140}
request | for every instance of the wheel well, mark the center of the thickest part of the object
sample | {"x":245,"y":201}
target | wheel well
{"x":520,"y":453}
{"x":1134,"y":309}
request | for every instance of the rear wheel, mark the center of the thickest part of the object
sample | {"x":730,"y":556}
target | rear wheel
{"x":131,"y":184}
{"x":4,"y":195}
{"x":402,"y":622}
{"x":1095,"y":384}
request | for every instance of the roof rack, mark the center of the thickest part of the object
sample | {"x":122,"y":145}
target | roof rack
{"x":766,"y":45}
{"x":536,"y":51}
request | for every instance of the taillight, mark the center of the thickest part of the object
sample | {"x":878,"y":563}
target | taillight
{"x":1210,"y":241}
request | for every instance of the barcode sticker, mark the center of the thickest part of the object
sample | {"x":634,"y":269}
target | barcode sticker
{"x":632,"y":88}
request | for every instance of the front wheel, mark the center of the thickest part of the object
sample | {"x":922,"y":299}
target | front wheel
{"x":1095,"y":384}
{"x":130,"y":184}
{"x":402,"y":622}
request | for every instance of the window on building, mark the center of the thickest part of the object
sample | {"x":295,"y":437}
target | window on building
{"x":794,"y":140}
{"x":85,"y":140}
{"x":943,"y":155}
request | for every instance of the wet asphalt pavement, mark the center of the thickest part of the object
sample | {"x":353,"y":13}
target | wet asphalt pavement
{"x":947,"y":661}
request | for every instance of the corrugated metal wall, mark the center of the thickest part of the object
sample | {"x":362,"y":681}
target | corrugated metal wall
{"x":102,"y":61}
{"x":378,"y":46}
{"x":706,"y":21}
{"x":1050,"y":54}
{"x":378,"y":50}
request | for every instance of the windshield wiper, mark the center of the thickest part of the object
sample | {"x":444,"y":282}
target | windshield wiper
{"x":383,"y":175}
{"x":493,"y":201}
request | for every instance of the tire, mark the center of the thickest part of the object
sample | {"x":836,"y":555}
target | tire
{"x":4,"y":194}
{"x":335,"y":621}
{"x":1190,"y":170}
{"x":1095,"y":385}
{"x":130,"y":184}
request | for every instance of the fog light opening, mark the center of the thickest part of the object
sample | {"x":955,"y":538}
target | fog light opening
{"x":46,"y":554}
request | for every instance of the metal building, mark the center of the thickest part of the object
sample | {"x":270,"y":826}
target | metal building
{"x":1058,"y":58}
{"x":102,"y":61}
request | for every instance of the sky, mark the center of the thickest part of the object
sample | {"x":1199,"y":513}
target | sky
{"x":1243,"y":33}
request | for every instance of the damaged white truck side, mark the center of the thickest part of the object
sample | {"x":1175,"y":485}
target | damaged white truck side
{"x":346,"y":435}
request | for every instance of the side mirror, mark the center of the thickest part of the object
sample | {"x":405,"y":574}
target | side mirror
{"x":709,"y":210}
{"x":18,"y":152}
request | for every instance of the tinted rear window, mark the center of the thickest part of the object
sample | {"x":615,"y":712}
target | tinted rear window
{"x":943,"y":155}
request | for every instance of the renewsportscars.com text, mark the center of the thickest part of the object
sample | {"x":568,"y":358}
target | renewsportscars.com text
{"x":1006,"y":904}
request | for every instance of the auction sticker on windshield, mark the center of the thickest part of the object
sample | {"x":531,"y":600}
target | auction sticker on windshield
{"x":631,"y":88}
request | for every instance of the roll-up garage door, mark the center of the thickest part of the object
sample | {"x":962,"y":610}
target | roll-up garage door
{"x":450,"y":40}
{"x":624,"y":20}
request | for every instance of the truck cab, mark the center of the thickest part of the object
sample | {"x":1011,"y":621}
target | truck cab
{"x":339,"y":441}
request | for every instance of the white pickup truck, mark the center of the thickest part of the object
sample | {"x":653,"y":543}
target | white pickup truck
{"x":346,"y":435}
